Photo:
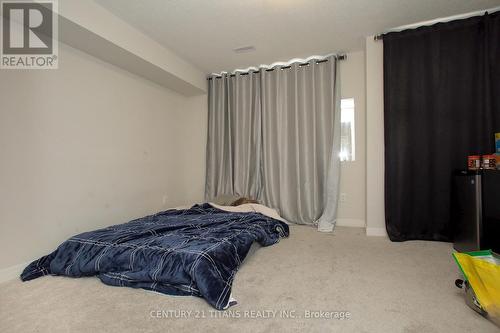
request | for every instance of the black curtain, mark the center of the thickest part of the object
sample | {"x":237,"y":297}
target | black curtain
{"x":441,"y":104}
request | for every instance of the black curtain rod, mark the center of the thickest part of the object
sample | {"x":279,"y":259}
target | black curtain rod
{"x":340,"y":57}
{"x":381,"y":36}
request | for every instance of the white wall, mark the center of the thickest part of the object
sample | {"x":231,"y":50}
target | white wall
{"x":352,"y":178}
{"x":90,"y":145}
{"x":375,"y":209}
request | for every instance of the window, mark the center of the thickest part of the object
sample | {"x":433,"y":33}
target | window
{"x":347,"y":134}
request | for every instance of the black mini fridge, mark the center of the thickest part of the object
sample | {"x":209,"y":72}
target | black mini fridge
{"x":476,"y":210}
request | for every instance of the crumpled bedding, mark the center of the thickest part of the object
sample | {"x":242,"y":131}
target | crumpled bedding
{"x":195,"y":251}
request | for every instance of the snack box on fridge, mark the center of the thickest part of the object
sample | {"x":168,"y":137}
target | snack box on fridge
{"x":497,"y":142}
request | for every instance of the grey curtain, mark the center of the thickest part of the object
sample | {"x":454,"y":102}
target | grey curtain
{"x":234,"y":136}
{"x":275,"y":135}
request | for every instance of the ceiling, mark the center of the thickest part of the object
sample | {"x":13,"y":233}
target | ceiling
{"x":206,"y":32}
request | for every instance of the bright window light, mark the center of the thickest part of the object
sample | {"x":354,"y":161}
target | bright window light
{"x":347,"y":133}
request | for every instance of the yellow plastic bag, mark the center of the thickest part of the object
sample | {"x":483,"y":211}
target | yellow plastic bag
{"x":482,"y":271}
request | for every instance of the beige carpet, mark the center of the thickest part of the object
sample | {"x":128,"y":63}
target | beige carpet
{"x":386,"y":287}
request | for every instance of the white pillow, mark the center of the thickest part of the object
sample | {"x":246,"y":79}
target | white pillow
{"x":251,"y":207}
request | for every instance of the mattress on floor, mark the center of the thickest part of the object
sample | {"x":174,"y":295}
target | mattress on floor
{"x":195,"y":251}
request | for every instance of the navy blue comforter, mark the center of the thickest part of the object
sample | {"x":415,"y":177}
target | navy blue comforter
{"x":196,"y":251}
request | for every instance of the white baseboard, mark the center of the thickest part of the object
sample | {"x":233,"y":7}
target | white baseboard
{"x":12,"y":272}
{"x":376,"y":232}
{"x":345,"y":222}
